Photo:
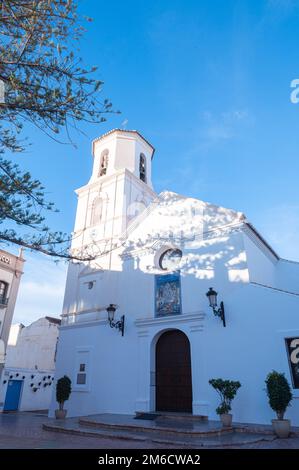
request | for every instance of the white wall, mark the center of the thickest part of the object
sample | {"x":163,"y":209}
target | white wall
{"x":249,"y":347}
{"x":31,"y":358}
{"x":35,"y":346}
{"x":30,"y":399}
{"x":262,"y":264}
{"x":252,"y":344}
{"x":287,"y":275}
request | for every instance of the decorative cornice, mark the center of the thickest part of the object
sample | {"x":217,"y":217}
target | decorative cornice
{"x":101,"y":181}
{"x":183,"y":318}
{"x":123,"y":131}
{"x":122,"y":172}
{"x":84,"y":324}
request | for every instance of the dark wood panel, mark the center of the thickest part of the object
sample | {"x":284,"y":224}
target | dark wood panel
{"x":173,"y":372}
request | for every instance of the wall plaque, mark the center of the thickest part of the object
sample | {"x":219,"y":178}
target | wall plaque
{"x":168,"y":295}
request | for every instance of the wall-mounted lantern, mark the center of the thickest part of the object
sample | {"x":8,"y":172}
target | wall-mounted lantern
{"x":120,"y":324}
{"x":218,"y":312}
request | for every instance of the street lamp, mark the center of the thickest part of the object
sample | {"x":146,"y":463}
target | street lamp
{"x":120,"y":324}
{"x":218,"y":312}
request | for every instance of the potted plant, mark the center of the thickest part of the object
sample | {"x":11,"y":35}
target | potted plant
{"x":63,"y":391}
{"x":280,"y":397}
{"x":227,"y":390}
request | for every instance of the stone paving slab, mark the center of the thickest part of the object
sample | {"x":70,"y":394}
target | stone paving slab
{"x":262,"y":428}
{"x":23,"y":430}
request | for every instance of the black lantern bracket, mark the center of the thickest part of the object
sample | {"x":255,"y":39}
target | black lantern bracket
{"x":218,"y":311}
{"x":118,"y":324}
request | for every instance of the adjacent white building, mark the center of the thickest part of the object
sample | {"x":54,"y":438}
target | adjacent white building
{"x":11,"y":270}
{"x":156,"y":256}
{"x":28,"y":377}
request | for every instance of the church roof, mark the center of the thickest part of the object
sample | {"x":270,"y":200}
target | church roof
{"x":262,"y":239}
{"x":211,"y":218}
{"x":124,"y":131}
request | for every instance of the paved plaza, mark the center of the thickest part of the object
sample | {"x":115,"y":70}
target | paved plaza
{"x":25,"y":431}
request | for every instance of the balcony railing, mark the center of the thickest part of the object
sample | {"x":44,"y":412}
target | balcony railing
{"x":3,"y":302}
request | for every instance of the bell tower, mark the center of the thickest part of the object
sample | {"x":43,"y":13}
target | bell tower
{"x":119,"y":150}
{"x":119,"y":189}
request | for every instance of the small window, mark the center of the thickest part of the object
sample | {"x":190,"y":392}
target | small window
{"x":142,"y":168}
{"x":104,"y":163}
{"x":81,"y":379}
{"x":3,"y":290}
{"x":170,"y":259}
{"x":81,"y":376}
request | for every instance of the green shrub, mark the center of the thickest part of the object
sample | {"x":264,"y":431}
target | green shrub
{"x":63,"y":390}
{"x":227,"y":390}
{"x":279,"y":393}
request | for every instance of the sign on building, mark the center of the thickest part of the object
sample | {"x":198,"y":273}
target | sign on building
{"x":292,"y":345}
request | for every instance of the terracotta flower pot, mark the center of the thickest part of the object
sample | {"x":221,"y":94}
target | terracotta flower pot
{"x":226,"y":419}
{"x":60,"y":414}
{"x":282,"y":427}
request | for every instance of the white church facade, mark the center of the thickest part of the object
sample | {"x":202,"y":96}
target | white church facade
{"x":155,"y":257}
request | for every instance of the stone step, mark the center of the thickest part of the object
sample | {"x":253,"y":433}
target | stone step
{"x":159,"y":426}
{"x":232,"y":439}
{"x":87,"y":431}
{"x":174,"y":415}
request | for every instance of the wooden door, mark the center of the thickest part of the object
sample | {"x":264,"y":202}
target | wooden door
{"x":173,"y":373}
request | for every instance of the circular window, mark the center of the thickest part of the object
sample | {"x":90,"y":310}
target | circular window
{"x":170,"y":259}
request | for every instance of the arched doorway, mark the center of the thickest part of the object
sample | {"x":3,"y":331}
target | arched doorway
{"x":173,"y":373}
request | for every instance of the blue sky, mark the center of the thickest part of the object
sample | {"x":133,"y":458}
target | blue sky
{"x":208,"y":83}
